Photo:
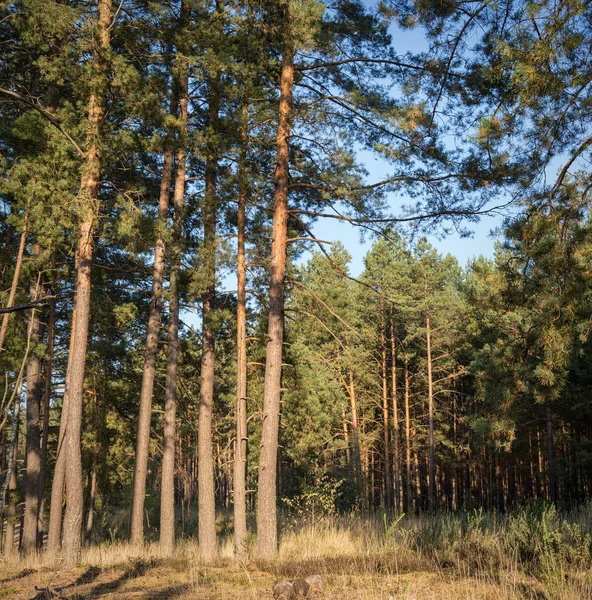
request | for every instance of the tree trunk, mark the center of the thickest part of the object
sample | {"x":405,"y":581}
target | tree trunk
{"x":72,"y":526}
{"x":266,"y":511}
{"x":10,"y":483}
{"x":59,"y":473}
{"x":498,"y":486}
{"x":533,"y":478}
{"x":11,"y":508}
{"x":407,"y":442}
{"x":345,"y":436}
{"x":419,"y":480}
{"x":97,"y":420}
{"x":46,"y":410}
{"x":542,"y":487}
{"x":551,"y":457}
{"x":167,"y":501}
{"x":432,"y":472}
{"x":240,"y":454}
{"x":386,"y":449}
{"x":151,"y":352}
{"x":3,"y":476}
{"x":33,"y":446}
{"x":457,"y":489}
{"x":91,"y":502}
{"x":396,"y":459}
{"x":205,"y":463}
{"x":15,"y":279}
{"x":88,"y":198}
{"x":356,"y":438}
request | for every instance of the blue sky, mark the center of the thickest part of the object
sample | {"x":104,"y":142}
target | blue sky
{"x":463,"y":248}
{"x":482,"y":242}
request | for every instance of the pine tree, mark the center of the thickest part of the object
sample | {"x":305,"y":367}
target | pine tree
{"x":167,"y":502}
{"x":153,"y":329}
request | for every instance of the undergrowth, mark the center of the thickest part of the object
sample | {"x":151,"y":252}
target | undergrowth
{"x":534,"y":552}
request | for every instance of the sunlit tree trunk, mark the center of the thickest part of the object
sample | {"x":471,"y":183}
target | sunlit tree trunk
{"x":386,"y":450}
{"x":205,"y":462}
{"x":345,"y":436}
{"x":240,"y":454}
{"x":33,"y":413}
{"x":151,"y":351}
{"x":356,"y":438}
{"x":432,"y":472}
{"x":267,"y":487}
{"x":88,"y":199}
{"x":396,"y":458}
{"x":15,"y":279}
{"x":407,"y":442}
{"x":59,"y":473}
{"x":10,"y":484}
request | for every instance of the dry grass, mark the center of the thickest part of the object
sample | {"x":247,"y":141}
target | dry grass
{"x":536,"y":555}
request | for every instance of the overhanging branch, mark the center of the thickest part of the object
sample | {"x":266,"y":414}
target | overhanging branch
{"x":45,"y":114}
{"x":27,"y":306}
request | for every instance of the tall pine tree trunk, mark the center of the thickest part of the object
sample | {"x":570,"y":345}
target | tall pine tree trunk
{"x":88,"y":200}
{"x":356,"y":438}
{"x":33,"y":447}
{"x":148,"y":373}
{"x":167,"y":502}
{"x":10,"y":482}
{"x":46,"y":409}
{"x":205,"y":465}
{"x":267,"y":485}
{"x":3,"y":330}
{"x":396,"y":459}
{"x":432,"y":472}
{"x":3,"y":476}
{"x":407,"y":442}
{"x":240,"y":453}
{"x":72,"y":525}
{"x":386,"y":449}
{"x":59,"y":473}
{"x":15,"y":279}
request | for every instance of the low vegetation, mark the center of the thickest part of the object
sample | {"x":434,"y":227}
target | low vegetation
{"x":537,"y":553}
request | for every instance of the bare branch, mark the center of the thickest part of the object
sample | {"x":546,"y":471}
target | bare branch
{"x":27,"y":306}
{"x":569,"y":163}
{"x":377,"y":61}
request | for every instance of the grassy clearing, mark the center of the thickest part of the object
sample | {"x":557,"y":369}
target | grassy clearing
{"x":533,"y":554}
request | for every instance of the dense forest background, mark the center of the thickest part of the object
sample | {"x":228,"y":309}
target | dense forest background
{"x":156,"y":153}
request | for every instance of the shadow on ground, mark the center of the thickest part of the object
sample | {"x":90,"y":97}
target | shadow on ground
{"x":81,"y":587}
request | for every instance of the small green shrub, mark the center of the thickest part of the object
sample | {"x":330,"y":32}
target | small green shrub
{"x":540,"y":537}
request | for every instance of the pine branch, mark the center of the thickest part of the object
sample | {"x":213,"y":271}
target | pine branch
{"x":27,"y":306}
{"x":377,"y":61}
{"x":46,"y":115}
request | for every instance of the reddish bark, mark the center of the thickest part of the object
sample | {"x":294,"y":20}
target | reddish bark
{"x":267,"y":510}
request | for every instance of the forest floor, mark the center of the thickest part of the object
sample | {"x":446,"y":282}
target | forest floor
{"x":383,"y":576}
{"x":529,"y":555}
